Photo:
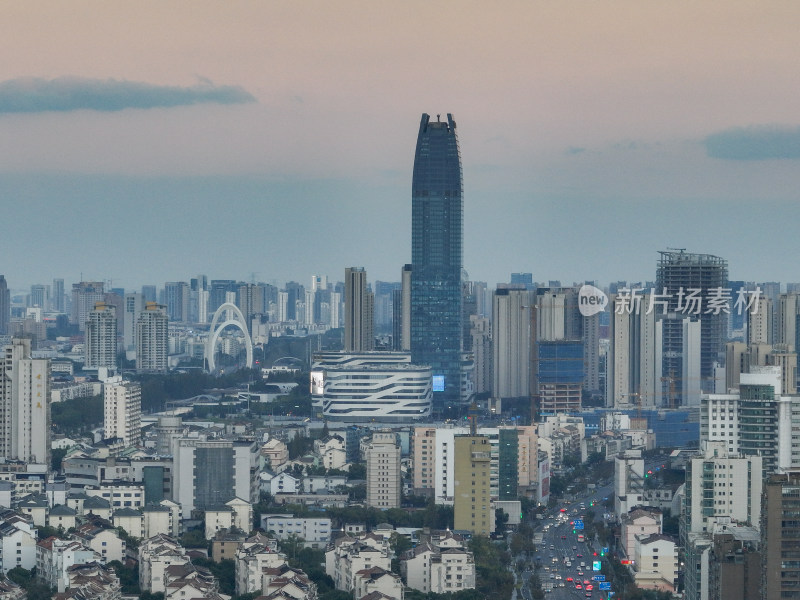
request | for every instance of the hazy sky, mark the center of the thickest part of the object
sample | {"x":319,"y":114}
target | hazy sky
{"x":151,"y":141}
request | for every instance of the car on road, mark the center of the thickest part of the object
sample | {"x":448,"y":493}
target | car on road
{"x":578,"y":586}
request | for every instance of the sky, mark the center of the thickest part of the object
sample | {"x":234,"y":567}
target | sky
{"x":144,"y":142}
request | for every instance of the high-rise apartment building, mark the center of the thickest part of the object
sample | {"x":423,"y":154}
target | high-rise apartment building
{"x":686,"y":282}
{"x":511,"y":333}
{"x":122,"y":410}
{"x":384,"y":482}
{"x":152,"y":339}
{"x":780,"y":531}
{"x":472,"y":505}
{"x":100,"y":346}
{"x":5,"y":306}
{"x":24,"y":404}
{"x":759,"y":322}
{"x":84,"y":296}
{"x":358,"y":311}
{"x":722,"y":489}
{"x":133,"y":305}
{"x":437,"y":224}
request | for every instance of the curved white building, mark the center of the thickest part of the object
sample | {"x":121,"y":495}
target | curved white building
{"x":380,"y":393}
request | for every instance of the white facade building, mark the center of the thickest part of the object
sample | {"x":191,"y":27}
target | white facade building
{"x":25,"y":404}
{"x":315,"y":532}
{"x":122,"y":410}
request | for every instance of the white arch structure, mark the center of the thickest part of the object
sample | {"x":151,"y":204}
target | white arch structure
{"x":237,"y":321}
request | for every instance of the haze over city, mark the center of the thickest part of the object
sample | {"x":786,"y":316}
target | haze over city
{"x":148,"y":142}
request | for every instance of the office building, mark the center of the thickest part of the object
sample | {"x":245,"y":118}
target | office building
{"x":511,"y":336}
{"x":686,"y":284}
{"x":251,"y":301}
{"x":84,"y":297}
{"x":370,"y":387}
{"x":437,"y":223}
{"x":359,"y":305}
{"x":177,"y":300}
{"x":101,"y":338}
{"x":559,"y":376}
{"x":384,"y":482}
{"x":39,"y":297}
{"x":122,"y":410}
{"x":152,"y":339}
{"x":401,"y":325}
{"x":57,"y":296}
{"x":25,"y":398}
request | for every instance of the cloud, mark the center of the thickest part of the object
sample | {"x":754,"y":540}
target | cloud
{"x":33,"y":95}
{"x":575,"y":150}
{"x":754,"y":143}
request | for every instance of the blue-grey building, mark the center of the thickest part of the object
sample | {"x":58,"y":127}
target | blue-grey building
{"x":437,"y":235}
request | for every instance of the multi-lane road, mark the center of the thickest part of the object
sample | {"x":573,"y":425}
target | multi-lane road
{"x":566,"y":563}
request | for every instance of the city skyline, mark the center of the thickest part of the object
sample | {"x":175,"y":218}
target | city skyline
{"x":276,"y":140}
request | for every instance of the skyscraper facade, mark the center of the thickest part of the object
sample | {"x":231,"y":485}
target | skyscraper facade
{"x":358,"y":311}
{"x":437,"y":224}
{"x":678,"y":275}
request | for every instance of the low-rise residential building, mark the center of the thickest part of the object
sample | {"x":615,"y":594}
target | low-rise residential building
{"x":440,"y":563}
{"x":54,"y":557}
{"x":36,"y":507}
{"x":312,"y":484}
{"x":225,"y":544}
{"x":103,"y":539}
{"x":62,"y":516}
{"x":155,"y":555}
{"x":639,"y":522}
{"x":164,"y":517}
{"x":348,"y":556}
{"x":279,"y":483}
{"x":275,"y":453}
{"x":236,"y":513}
{"x":17,"y":541}
{"x":655,"y":563}
{"x":316,"y":532}
{"x":256,"y":554}
{"x":131,"y":520}
{"x":284,"y":582}
{"x":376,"y":579}
{"x":91,"y":581}
{"x":10,"y":590}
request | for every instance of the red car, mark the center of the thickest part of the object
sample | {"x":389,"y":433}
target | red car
{"x":578,"y":586}
{"x":569,"y":578}
{"x":563,"y":537}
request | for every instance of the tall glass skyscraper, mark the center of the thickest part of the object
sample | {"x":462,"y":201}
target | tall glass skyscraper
{"x":437,"y":236}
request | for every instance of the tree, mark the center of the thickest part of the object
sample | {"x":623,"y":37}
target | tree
{"x":500,"y":519}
